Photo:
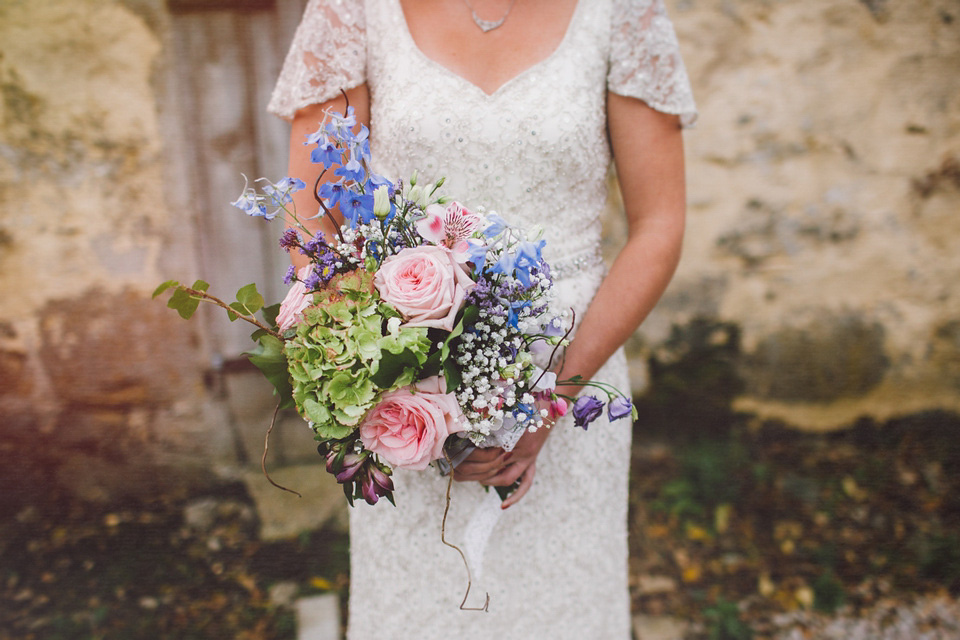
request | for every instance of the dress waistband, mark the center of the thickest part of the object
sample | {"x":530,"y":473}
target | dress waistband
{"x":572,"y":264}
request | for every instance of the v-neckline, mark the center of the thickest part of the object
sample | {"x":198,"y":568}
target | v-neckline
{"x":513,"y":79}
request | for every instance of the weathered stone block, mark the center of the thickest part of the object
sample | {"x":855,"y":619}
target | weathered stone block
{"x":117,"y":350}
{"x":283,"y":514}
{"x":835,"y":356}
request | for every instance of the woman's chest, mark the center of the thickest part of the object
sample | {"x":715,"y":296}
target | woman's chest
{"x":550,"y":116}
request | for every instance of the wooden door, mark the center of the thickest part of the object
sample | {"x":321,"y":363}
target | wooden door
{"x":225,"y":57}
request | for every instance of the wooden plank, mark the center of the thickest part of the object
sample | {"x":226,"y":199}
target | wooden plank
{"x":186,"y":6}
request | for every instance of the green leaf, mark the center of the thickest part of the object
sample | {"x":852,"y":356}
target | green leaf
{"x":392,"y":366}
{"x":236,"y":306}
{"x":470,"y":315}
{"x":432,"y":366}
{"x":452,"y":373}
{"x":268,"y":356}
{"x":185,"y":304}
{"x":270,"y":314}
{"x":163,"y":287}
{"x":250,"y":299}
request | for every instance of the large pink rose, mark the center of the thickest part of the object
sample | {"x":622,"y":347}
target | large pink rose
{"x":409,"y":426}
{"x":425,"y":284}
{"x":296,"y":300}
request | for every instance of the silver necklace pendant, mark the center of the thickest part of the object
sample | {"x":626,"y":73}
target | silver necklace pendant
{"x":487,"y":25}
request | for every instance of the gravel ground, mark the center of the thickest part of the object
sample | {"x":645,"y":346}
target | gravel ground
{"x":926,"y":618}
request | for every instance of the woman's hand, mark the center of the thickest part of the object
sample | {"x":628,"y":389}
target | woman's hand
{"x":481,"y":465}
{"x":521,"y":463}
{"x":495,"y":467}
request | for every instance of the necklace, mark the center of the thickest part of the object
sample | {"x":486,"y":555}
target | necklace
{"x":488,"y":25}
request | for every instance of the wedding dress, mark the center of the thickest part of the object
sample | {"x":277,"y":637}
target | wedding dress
{"x":535,"y":151}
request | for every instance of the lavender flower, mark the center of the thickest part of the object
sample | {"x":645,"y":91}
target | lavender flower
{"x":290,"y":239}
{"x":314,"y":245}
{"x":290,"y":275}
{"x":585,"y":410}
{"x":313,"y":281}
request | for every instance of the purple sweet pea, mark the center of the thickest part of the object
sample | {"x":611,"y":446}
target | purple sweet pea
{"x":585,"y":410}
{"x":619,"y":407}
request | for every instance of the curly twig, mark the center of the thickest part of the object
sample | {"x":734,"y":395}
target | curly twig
{"x":443,"y":539}
{"x":573,"y":321}
{"x":326,"y":211}
{"x":266,"y":447}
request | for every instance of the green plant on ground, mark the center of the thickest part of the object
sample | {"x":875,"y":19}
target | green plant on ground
{"x":938,"y":557}
{"x":713,"y":473}
{"x":724,"y":623}
{"x":828,"y":592}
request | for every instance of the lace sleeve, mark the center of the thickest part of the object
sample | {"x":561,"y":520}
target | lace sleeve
{"x":645,"y":60}
{"x":328,"y":54}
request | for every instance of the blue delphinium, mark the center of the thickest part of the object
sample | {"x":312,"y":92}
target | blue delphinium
{"x":326,"y":153}
{"x":251,"y":204}
{"x":333,"y":193}
{"x":357,"y":208}
{"x":496,"y":226}
{"x":352,"y":170}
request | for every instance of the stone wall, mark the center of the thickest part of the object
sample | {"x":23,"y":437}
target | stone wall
{"x":824,"y":187}
{"x":101,"y":386}
{"x":824,"y":202}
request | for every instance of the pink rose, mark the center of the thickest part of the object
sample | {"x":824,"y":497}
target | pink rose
{"x":425,"y":284}
{"x":409,"y":426}
{"x":296,"y":300}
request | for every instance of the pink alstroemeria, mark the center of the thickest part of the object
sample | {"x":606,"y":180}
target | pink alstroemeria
{"x":450,"y":227}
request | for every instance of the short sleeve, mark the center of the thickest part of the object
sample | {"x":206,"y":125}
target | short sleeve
{"x":645,"y":60}
{"x":328,"y":54}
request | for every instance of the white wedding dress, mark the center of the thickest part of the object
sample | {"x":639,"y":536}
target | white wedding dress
{"x":535,"y":151}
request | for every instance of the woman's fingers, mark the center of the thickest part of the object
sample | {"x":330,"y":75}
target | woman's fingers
{"x":506,"y":476}
{"x":481,"y":465}
{"x":526,"y":481}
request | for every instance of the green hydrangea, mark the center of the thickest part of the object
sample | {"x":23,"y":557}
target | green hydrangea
{"x":347,"y":352}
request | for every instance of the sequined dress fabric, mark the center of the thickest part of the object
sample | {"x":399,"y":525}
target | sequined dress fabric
{"x":535,"y":151}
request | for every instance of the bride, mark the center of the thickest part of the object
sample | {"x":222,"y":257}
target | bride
{"x":520,"y":104}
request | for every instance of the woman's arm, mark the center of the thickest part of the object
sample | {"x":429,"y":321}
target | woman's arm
{"x":305,"y":122}
{"x":648,"y":151}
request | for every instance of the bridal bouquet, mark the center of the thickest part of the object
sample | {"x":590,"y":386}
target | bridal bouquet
{"x":410,"y":334}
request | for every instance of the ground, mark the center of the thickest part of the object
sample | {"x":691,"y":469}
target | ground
{"x":744,"y":532}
